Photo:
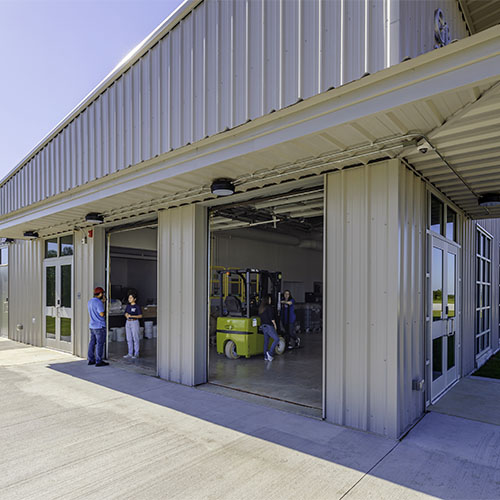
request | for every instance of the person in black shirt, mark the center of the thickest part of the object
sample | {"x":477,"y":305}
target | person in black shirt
{"x":268,"y":324}
{"x":133,"y":313}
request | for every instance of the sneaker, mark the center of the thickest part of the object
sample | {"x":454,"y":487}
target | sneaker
{"x":102,"y":363}
{"x":135,"y":357}
{"x":91,"y":363}
{"x":127,"y":356}
{"x":269,"y":357}
{"x":297,"y":342}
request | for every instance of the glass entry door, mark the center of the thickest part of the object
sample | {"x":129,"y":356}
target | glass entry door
{"x":58,"y":303}
{"x":445,"y":318}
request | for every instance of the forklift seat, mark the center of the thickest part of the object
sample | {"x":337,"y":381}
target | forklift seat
{"x":233,"y":306}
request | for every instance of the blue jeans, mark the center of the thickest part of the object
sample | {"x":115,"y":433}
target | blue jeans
{"x":269,"y":331}
{"x":97,"y":335}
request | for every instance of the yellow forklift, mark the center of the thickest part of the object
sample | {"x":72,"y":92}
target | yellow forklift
{"x":238,"y":326}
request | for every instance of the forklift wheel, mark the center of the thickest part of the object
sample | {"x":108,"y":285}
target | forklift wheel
{"x":281,"y":347}
{"x":230,"y":350}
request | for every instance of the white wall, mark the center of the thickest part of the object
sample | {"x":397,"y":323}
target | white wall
{"x":296,"y":264}
{"x":142,"y":239}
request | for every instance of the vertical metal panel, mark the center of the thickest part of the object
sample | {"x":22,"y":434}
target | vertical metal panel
{"x":88,"y":273}
{"x":224,"y":63}
{"x":417,"y":25}
{"x":25,"y":292}
{"x":182,"y":307}
{"x":375,"y":251}
{"x":468,"y":296}
{"x":411,"y":328}
{"x":362,"y":244}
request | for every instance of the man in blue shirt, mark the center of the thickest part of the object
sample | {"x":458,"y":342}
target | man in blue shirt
{"x":97,"y":327}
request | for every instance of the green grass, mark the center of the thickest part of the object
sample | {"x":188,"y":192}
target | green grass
{"x":491,"y":368}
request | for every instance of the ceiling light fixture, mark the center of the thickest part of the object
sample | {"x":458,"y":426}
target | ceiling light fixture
{"x":30,"y":234}
{"x":222,"y":187}
{"x":94,"y":217}
{"x":489,"y":200}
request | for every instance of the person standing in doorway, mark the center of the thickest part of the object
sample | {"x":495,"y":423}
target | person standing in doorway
{"x":133,"y":313}
{"x":97,"y":326}
{"x":268,"y":324}
{"x":288,"y":319}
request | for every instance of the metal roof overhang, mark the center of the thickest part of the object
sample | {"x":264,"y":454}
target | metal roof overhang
{"x":450,"y":96}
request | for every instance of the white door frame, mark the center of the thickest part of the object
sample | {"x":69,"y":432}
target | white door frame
{"x":448,"y":328}
{"x":57,"y":310}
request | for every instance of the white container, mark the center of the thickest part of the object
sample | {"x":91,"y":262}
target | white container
{"x":120,"y":334}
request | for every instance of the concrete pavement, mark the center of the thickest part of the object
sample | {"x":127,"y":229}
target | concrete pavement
{"x":69,"y":430}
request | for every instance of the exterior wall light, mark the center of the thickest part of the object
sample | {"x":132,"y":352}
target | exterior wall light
{"x":95,"y":218}
{"x":222,"y":187}
{"x":30,"y":234}
{"x":489,"y":200}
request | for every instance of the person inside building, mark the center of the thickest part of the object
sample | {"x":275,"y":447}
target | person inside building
{"x":288,"y":320}
{"x":268,"y":325}
{"x":97,"y":327}
{"x":133,"y":313}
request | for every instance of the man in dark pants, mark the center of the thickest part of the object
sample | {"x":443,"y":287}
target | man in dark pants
{"x":97,"y":327}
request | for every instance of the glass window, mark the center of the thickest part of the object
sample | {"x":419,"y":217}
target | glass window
{"x":66,"y":329}
{"x":66,"y":286}
{"x":50,"y":286}
{"x":437,"y":210}
{"x":50,"y":327}
{"x":451,"y":224}
{"x":66,"y":245}
{"x":4,"y":256}
{"x":437,"y":358}
{"x":51,"y":248}
{"x":437,"y":283}
{"x":483,"y":292}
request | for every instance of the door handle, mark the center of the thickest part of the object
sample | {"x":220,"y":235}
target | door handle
{"x":451,"y":329}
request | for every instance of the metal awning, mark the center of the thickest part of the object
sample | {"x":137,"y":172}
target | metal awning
{"x":449,"y":97}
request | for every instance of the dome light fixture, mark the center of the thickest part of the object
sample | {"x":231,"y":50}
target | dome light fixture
{"x":489,"y":200}
{"x":30,"y":234}
{"x":222,"y":187}
{"x":94,"y":217}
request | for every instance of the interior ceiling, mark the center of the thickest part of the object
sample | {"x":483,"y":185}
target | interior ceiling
{"x":297,"y":212}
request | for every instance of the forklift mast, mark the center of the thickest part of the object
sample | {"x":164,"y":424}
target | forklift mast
{"x":266,"y":282}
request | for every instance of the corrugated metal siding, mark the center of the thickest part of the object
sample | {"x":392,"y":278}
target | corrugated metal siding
{"x":88,"y":272}
{"x":25,"y":291}
{"x":226,"y":62}
{"x":182,"y":305}
{"x":412,"y":245}
{"x":492,"y":226}
{"x":468,"y":295}
{"x":417,"y":25}
{"x":362,"y":284}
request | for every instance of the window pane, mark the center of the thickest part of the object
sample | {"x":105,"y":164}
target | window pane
{"x":437,"y":209}
{"x":66,"y":245}
{"x":51,"y":248}
{"x":4,"y":256}
{"x":50,"y":286}
{"x":66,"y":329}
{"x":451,"y":352}
{"x":437,"y":358}
{"x":451,"y":285}
{"x":50,"y":327}
{"x":437,"y":283}
{"x":66,"y":286}
{"x":487,"y":246}
{"x":451,"y":224}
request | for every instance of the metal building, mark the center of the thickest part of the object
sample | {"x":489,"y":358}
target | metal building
{"x":389,"y":108}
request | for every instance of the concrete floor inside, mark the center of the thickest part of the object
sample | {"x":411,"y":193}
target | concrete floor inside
{"x":145,"y":363}
{"x":294,"y":377}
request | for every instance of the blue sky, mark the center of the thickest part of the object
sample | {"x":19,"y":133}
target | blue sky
{"x":54,"y":52}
